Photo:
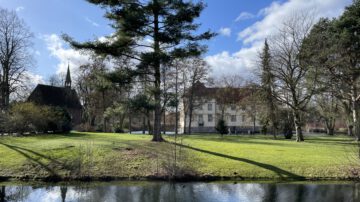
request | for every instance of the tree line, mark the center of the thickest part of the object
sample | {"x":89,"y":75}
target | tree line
{"x":312,"y":69}
{"x":153,"y":61}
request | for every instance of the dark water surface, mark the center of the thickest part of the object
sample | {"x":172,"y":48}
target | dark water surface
{"x":167,"y":192}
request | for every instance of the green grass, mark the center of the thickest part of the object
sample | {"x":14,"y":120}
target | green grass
{"x":100,"y":155}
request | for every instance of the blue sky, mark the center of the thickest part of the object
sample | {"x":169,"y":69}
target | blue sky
{"x":242,"y":27}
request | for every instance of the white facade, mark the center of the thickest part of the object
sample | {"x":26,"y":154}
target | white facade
{"x":207,"y":114}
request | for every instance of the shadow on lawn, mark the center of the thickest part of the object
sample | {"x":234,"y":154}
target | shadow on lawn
{"x":23,"y":151}
{"x":242,"y":140}
{"x":48,"y":168}
{"x":280,"y":172}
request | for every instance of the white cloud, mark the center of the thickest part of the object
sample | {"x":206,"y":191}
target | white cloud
{"x":240,"y":63}
{"x":244,"y":16}
{"x":225,"y":31}
{"x":276,"y":12}
{"x":34,"y":78}
{"x":91,"y":22}
{"x":65,"y":55}
{"x":19,"y":8}
{"x":244,"y":61}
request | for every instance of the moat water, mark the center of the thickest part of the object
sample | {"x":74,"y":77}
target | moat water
{"x":182,"y":192}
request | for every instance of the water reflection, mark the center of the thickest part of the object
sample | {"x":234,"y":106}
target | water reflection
{"x":142,"y":192}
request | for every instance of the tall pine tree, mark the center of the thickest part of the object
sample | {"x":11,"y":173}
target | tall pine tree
{"x":152,"y":32}
{"x":267,"y":81}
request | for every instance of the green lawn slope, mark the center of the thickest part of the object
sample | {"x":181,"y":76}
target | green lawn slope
{"x":100,"y":156}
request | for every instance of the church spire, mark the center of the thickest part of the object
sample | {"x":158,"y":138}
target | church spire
{"x":68,"y":78}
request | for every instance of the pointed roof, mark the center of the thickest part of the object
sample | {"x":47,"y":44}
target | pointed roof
{"x":68,"y":77}
{"x":55,"y":96}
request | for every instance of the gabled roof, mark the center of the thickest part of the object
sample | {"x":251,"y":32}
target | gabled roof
{"x":231,"y":93}
{"x":55,"y":96}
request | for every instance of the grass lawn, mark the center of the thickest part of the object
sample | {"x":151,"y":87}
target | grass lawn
{"x":100,"y":155}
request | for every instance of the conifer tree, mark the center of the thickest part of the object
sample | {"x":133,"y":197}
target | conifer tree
{"x":267,"y":81}
{"x":153,"y":33}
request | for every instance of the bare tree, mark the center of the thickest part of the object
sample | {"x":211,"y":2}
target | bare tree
{"x":15,"y":57}
{"x":294,"y":81}
{"x":228,"y":92}
{"x":194,"y":70}
{"x":328,"y":107}
{"x":57,"y":80}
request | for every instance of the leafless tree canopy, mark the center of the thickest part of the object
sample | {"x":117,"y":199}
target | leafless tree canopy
{"x":294,"y":82}
{"x":15,"y":56}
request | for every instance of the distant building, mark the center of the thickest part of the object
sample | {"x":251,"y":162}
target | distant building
{"x":239,"y":116}
{"x":64,"y":97}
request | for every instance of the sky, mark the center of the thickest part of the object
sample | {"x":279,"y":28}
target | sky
{"x":242,"y":26}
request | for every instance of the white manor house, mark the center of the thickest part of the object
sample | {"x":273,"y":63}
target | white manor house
{"x":213,"y":103}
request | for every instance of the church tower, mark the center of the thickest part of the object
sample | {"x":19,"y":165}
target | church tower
{"x":68,"y":78}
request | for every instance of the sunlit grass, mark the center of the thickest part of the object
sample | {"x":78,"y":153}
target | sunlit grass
{"x":125,"y":155}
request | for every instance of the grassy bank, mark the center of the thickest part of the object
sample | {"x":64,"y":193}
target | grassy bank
{"x":119,"y":156}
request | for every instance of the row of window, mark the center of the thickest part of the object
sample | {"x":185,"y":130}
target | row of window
{"x":211,"y":118}
{"x":210,"y":107}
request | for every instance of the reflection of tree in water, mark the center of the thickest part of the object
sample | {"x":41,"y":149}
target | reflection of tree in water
{"x":14,"y":193}
{"x":356,"y":192}
{"x":2,"y":194}
{"x":63,"y":191}
{"x":314,"y":192}
{"x":178,"y":192}
{"x":270,"y":193}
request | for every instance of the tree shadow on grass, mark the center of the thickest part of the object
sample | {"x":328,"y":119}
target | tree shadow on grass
{"x":280,"y":172}
{"x":248,"y":141}
{"x":23,"y":151}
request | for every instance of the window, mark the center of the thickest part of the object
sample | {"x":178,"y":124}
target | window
{"x":210,"y":118}
{"x":210,"y":106}
{"x":243,"y":118}
{"x":201,"y":120}
{"x":233,"y":107}
{"x":233,"y":118}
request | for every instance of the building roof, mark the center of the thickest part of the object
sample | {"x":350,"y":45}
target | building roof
{"x":55,"y":96}
{"x":68,"y":77}
{"x":231,"y":93}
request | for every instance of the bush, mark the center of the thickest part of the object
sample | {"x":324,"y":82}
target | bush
{"x":221,"y":127}
{"x":28,"y":117}
{"x":61,"y":119}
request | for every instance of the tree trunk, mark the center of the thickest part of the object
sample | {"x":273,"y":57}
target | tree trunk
{"x":254,"y":124}
{"x":330,"y":126}
{"x":355,"y":113}
{"x":350,"y":130}
{"x":157,"y":95}
{"x":297,"y":123}
{"x":190,"y":119}
{"x":130,"y":123}
{"x":185,"y":115}
{"x":164,"y":123}
{"x":144,"y":125}
{"x":177,"y":105}
{"x":103,"y":105}
{"x":5,"y":91}
{"x":150,"y":130}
